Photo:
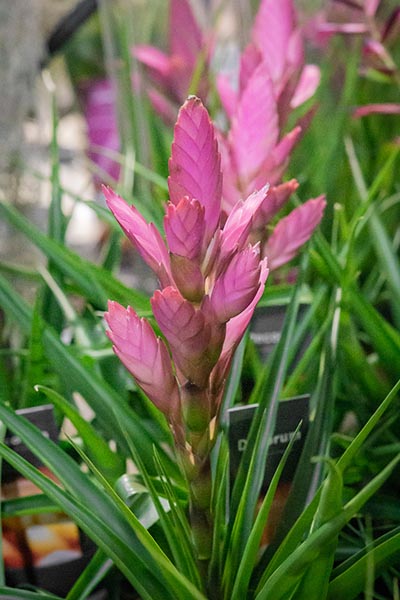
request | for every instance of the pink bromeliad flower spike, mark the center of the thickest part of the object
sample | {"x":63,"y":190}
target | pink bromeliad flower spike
{"x":171,"y":74}
{"x":210,"y":281}
{"x":277,"y":41}
{"x":273,"y":81}
{"x":252,"y":153}
{"x":98,"y":101}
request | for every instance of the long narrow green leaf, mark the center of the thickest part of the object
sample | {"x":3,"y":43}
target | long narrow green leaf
{"x":387,"y":257}
{"x":250,"y":475}
{"x":314,"y":584}
{"x":96,"y":283}
{"x":303,"y":523}
{"x":111,"y":465}
{"x":9,"y":593}
{"x":350,"y":581}
{"x":252,"y":547}
{"x":90,"y":577}
{"x":307,"y":476}
{"x":285,"y":579}
{"x":28,"y":505}
{"x":95,"y":510}
{"x":99,"y":527}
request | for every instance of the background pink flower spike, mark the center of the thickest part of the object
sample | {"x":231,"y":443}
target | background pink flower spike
{"x":156,"y":61}
{"x":255,"y":128}
{"x":102,"y":130}
{"x":144,"y":236}
{"x":185,"y":36}
{"x":236,"y":287}
{"x":309,"y":81}
{"x":195,"y":163}
{"x":293,"y":231}
{"x":273,"y":27}
{"x":371,"y":6}
{"x":273,"y":202}
{"x":145,"y":356}
{"x":240,"y":220}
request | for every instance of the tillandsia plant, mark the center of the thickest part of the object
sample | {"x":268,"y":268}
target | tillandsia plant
{"x":211,"y":280}
{"x":177,"y":529}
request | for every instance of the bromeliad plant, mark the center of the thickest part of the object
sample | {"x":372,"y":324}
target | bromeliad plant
{"x":211,"y":280}
{"x":167,"y":528}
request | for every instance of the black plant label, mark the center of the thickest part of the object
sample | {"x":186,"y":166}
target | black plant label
{"x":291,"y":412}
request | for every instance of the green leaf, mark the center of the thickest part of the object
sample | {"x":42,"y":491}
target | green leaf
{"x":389,"y":263}
{"x":252,"y":547}
{"x":28,"y":505}
{"x":9,"y":593}
{"x":303,"y":523}
{"x":314,"y":583}
{"x":287,"y":576}
{"x":36,"y":364}
{"x":111,"y":465}
{"x":249,"y":479}
{"x":94,"y":282}
{"x":90,"y":577}
{"x":349,"y":579}
{"x":127,"y":543}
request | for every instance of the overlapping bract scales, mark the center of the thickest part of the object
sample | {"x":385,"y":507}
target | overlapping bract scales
{"x":195,"y":164}
{"x":223,"y":274}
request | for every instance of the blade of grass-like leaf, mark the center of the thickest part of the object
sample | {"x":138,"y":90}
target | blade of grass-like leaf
{"x":131,"y":517}
{"x":307,"y":476}
{"x":286,"y":576}
{"x":182,"y":531}
{"x":9,"y":593}
{"x":303,"y":523}
{"x":105,"y":402}
{"x":94,"y":282}
{"x":56,"y":220}
{"x":384,"y":338}
{"x":357,"y":363}
{"x":90,"y":577}
{"x":28,"y":505}
{"x":123,"y":537}
{"x":249,"y":479}
{"x":180,"y":545}
{"x":314,"y":583}
{"x":348,"y":455}
{"x":133,"y":564}
{"x":252,"y":547}
{"x":139,"y":168}
{"x":111,"y":465}
{"x":383,"y":245}
{"x":36,"y":363}
{"x":3,"y":431}
{"x":65,"y":305}
{"x":219,"y":459}
{"x":349,"y":579}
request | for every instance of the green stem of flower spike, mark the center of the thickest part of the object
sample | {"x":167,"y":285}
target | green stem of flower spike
{"x":196,"y":411}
